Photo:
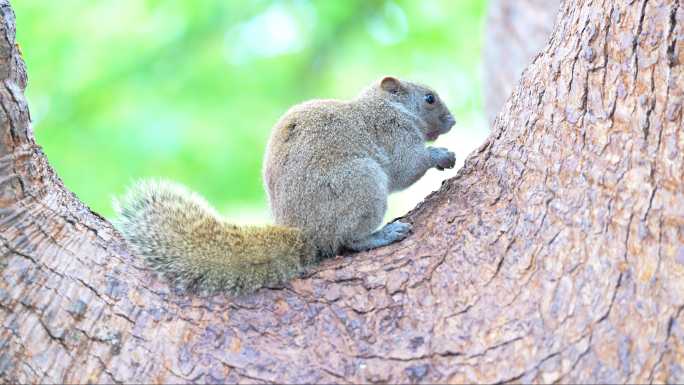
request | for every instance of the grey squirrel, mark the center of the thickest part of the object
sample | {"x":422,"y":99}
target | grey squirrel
{"x":328,"y":170}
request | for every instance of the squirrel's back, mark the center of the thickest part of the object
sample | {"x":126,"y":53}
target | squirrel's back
{"x":318,"y":131}
{"x":180,"y":235}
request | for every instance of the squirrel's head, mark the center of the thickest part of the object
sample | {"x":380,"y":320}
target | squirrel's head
{"x":421,"y":101}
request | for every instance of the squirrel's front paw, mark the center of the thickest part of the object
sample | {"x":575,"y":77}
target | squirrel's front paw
{"x":442,"y":158}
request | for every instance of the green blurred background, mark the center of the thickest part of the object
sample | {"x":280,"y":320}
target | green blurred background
{"x":189,"y":89}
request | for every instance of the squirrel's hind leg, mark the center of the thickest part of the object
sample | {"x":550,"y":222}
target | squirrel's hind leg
{"x":390,"y":233}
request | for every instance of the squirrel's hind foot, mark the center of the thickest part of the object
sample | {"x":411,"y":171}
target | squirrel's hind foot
{"x":390,"y":233}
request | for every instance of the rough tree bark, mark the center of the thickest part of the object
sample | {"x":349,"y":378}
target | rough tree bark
{"x":555,"y":254}
{"x":516,"y":31}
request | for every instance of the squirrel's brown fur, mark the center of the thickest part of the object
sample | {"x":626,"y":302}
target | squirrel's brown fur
{"x":328,"y":170}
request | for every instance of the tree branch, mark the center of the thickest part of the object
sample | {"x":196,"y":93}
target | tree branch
{"x":555,"y":254}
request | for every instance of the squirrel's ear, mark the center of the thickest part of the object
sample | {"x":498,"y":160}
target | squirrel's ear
{"x":390,"y":84}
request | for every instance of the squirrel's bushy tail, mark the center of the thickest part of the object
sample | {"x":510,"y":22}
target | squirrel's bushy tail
{"x":182,"y":236}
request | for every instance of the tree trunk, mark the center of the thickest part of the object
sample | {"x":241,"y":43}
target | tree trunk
{"x":555,"y":254}
{"x":516,"y":31}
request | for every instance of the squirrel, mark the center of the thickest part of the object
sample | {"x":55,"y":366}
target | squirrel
{"x":328,"y":170}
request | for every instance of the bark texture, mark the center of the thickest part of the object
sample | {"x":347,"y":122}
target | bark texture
{"x":516,"y":31}
{"x":555,"y":254}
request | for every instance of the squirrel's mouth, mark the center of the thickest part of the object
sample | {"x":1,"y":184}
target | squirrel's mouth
{"x":446,"y":122}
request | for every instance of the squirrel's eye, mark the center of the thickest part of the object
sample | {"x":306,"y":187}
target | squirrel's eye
{"x":429,"y":98}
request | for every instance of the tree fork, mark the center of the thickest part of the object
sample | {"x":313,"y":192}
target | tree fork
{"x":555,"y":254}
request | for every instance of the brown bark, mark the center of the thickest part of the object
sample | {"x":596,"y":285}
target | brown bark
{"x":516,"y":31}
{"x":555,"y":254}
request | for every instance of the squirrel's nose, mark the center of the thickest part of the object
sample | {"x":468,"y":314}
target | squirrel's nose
{"x":448,"y":121}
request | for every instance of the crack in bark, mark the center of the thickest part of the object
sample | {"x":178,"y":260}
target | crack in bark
{"x":612,"y":300}
{"x":444,"y":354}
{"x":577,"y":361}
{"x":666,"y":349}
{"x":558,"y":353}
{"x":635,"y":44}
{"x":103,"y":366}
{"x":517,"y":378}
{"x":495,"y":347}
{"x":240,"y":372}
{"x":650,"y":202}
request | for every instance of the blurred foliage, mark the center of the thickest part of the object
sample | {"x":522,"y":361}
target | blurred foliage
{"x":189,"y":89}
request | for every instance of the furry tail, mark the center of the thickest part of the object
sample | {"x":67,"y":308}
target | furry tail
{"x":183,"y":237}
